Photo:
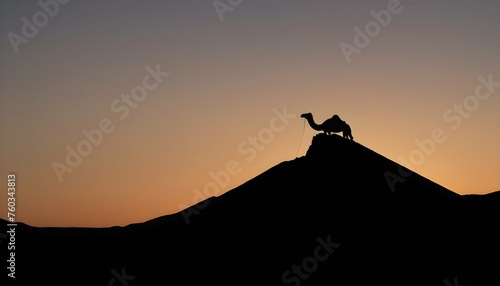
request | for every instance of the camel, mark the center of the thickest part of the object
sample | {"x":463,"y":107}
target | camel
{"x":331,"y":125}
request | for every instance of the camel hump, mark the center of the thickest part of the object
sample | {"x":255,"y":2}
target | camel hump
{"x":336,"y":118}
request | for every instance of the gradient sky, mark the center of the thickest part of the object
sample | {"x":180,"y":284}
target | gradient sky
{"x":229,"y":73}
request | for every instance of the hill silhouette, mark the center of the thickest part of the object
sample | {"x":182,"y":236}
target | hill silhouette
{"x":330,"y":217}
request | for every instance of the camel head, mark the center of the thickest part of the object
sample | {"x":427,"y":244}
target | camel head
{"x":306,"y":115}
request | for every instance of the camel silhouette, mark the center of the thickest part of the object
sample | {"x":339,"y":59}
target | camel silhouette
{"x":331,"y":125}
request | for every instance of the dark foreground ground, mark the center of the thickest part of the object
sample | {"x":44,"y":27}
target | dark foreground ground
{"x":328,"y":218}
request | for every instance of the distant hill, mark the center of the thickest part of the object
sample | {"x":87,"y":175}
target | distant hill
{"x":330,"y":217}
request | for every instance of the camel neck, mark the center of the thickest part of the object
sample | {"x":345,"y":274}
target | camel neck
{"x":313,"y":124}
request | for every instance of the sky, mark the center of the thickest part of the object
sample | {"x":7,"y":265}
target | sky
{"x":117,"y":112}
